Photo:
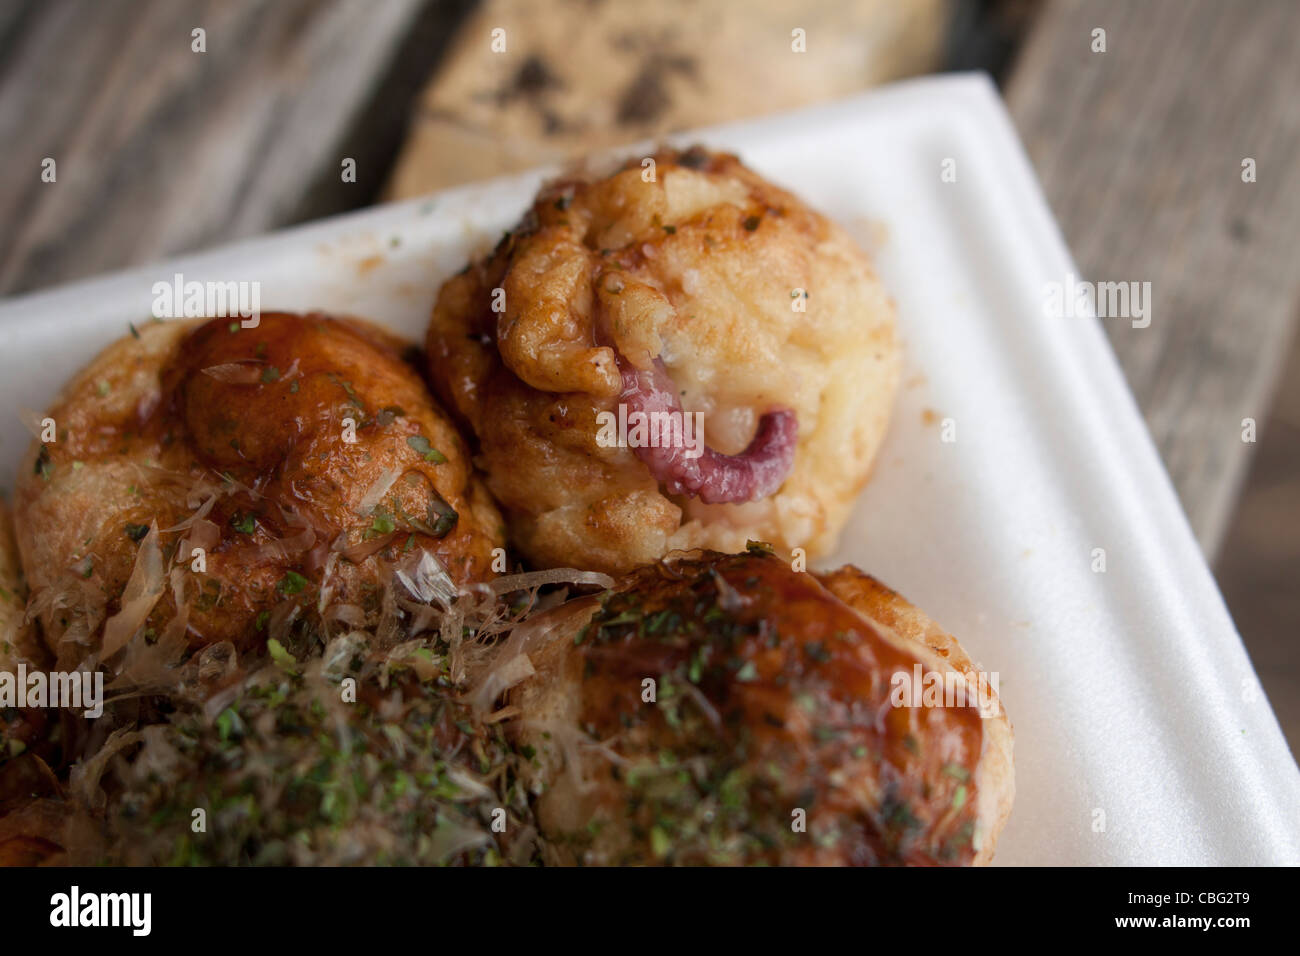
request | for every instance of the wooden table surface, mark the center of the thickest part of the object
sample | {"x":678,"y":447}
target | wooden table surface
{"x":161,"y":149}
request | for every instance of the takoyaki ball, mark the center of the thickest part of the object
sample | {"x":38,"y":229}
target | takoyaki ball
{"x":625,"y":311}
{"x":210,"y":482}
{"x":725,"y":709}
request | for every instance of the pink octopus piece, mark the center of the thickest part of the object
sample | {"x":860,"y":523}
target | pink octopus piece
{"x":713,"y":477}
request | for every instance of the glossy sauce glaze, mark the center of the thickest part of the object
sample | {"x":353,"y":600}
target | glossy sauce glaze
{"x":773,"y":697}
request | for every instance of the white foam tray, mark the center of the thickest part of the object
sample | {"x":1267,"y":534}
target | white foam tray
{"x":1130,"y":691}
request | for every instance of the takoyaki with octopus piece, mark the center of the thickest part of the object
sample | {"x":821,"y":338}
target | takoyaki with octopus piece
{"x":677,"y":355}
{"x":199,"y":483}
{"x":725,"y":709}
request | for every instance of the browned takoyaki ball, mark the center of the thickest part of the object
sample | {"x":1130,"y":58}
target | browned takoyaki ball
{"x":302,"y":458}
{"x":725,"y":709}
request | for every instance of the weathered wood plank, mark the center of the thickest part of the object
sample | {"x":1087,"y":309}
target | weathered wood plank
{"x":1140,"y":151}
{"x":160,"y":149}
{"x":1260,"y":561}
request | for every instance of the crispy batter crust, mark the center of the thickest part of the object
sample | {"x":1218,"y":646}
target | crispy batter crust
{"x":995,"y":788}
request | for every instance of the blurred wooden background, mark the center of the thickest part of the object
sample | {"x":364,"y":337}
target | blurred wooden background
{"x":161,"y":149}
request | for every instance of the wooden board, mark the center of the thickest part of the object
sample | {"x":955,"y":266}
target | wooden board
{"x":160,"y":149}
{"x":1260,"y":561}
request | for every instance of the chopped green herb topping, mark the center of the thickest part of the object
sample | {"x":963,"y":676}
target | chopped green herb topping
{"x":292,"y":583}
{"x":422,"y":447}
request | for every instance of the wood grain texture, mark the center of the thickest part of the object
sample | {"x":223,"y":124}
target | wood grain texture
{"x":577,"y":76}
{"x":1260,"y":562}
{"x":160,"y":149}
{"x":1139,"y":150}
